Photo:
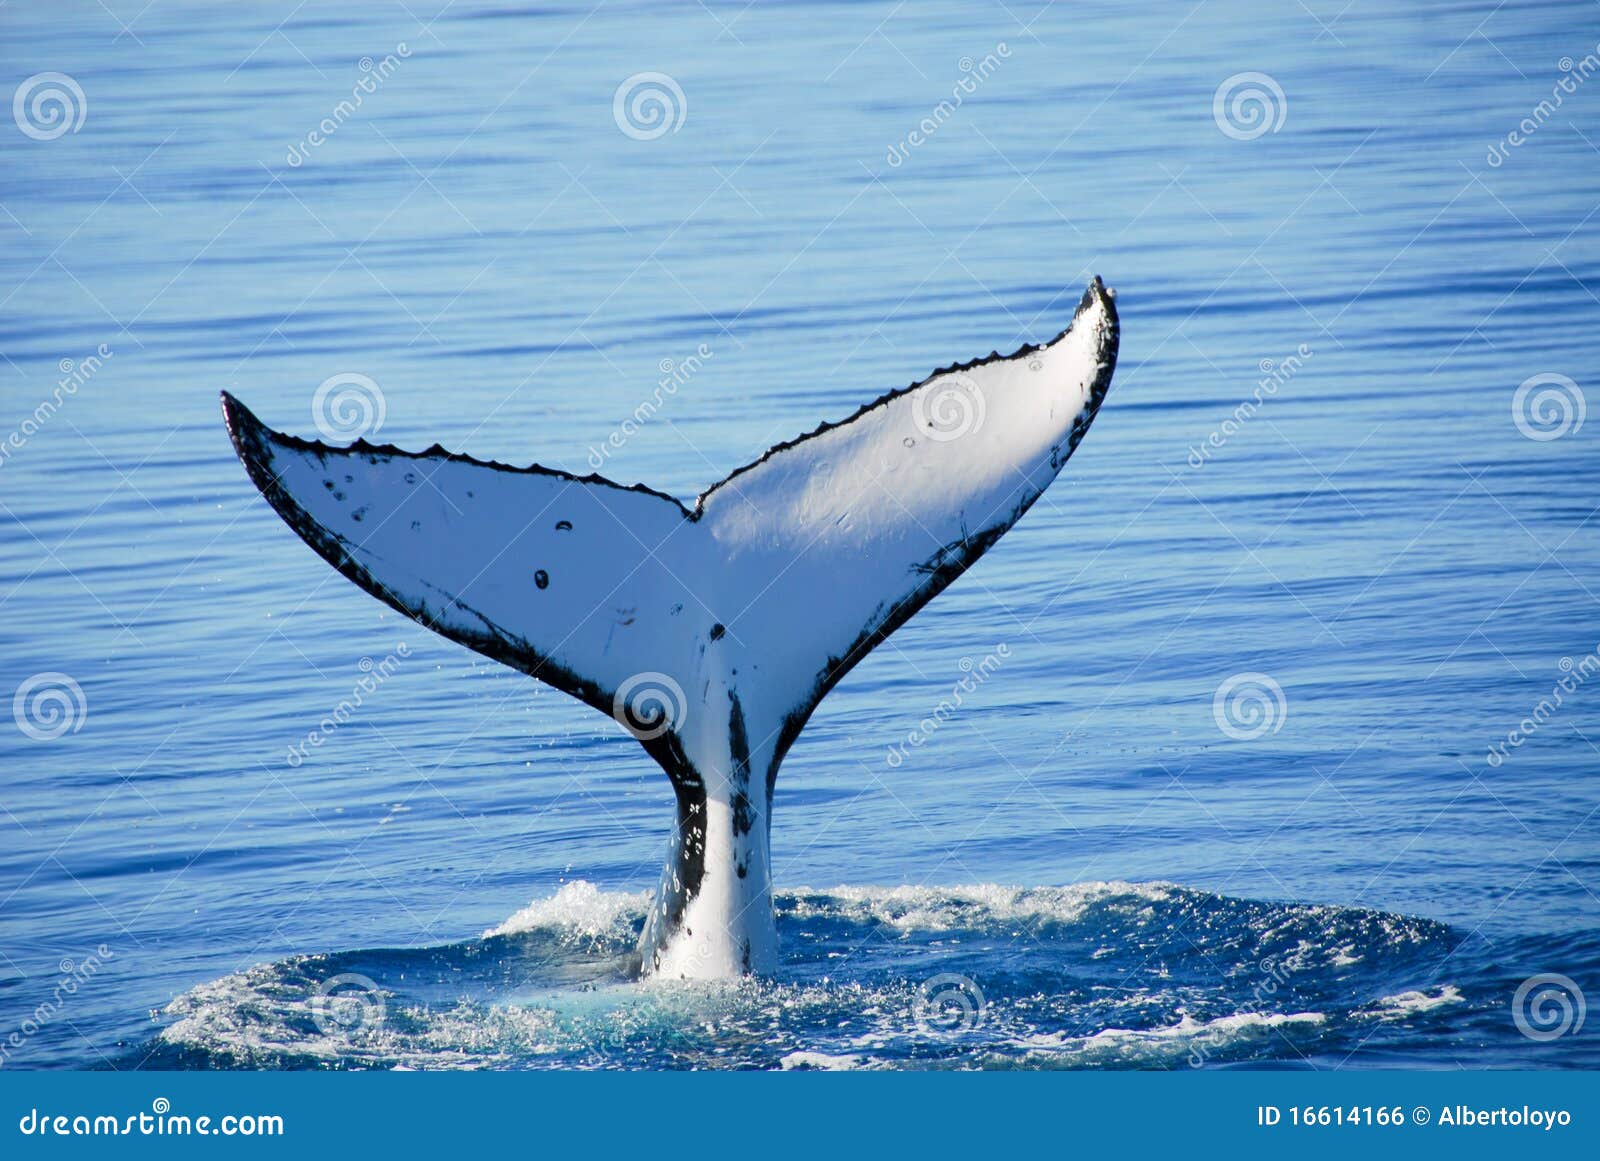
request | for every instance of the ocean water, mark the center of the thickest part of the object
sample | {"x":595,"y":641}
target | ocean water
{"x":1342,"y":472}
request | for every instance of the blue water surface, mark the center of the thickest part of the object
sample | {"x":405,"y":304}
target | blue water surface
{"x":1315,"y":474}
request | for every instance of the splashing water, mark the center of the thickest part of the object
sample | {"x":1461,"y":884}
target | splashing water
{"x":1100,"y":974}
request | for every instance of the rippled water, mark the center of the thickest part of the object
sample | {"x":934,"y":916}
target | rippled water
{"x":1380,"y":539}
{"x":553,"y":986}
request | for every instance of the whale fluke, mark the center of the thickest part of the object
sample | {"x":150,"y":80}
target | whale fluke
{"x":709,"y":633}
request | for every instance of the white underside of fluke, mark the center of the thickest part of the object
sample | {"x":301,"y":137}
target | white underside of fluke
{"x":710,"y":633}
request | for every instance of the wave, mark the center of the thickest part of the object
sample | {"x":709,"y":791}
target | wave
{"x":578,"y":908}
{"x":1092,"y":975}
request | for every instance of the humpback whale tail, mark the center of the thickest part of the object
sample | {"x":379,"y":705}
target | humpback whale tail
{"x":710,"y":633}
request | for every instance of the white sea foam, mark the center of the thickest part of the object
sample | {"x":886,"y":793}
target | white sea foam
{"x":1167,"y":1042}
{"x":572,"y":1002}
{"x":257,"y":1014}
{"x":1404,"y":1004}
{"x":951,"y":908}
{"x":1317,"y":935}
{"x":822,"y":1061}
{"x":579,"y":908}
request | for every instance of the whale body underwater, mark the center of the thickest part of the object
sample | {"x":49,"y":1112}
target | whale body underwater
{"x":711,"y":634}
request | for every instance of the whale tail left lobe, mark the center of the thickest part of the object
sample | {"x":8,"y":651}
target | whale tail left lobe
{"x":710,"y":633}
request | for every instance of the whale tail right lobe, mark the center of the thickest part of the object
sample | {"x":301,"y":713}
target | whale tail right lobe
{"x":710,"y":633}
